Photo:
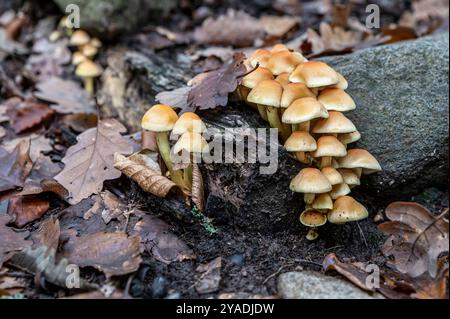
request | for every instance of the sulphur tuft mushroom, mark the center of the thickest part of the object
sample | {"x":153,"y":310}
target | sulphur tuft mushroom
{"x":310,"y":181}
{"x":346,"y":209}
{"x":362,"y":159}
{"x":249,"y":82}
{"x":302,"y":111}
{"x":312,"y":218}
{"x":300,"y":142}
{"x":88,"y":70}
{"x":336,"y":100}
{"x":314,"y":74}
{"x":328,"y":147}
{"x":79,"y":38}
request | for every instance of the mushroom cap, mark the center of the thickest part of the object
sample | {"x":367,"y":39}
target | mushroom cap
{"x":89,"y":50}
{"x":334,"y":163}
{"x":339,"y":190}
{"x":293,"y":91}
{"x":278,"y":48}
{"x":347,"y":138}
{"x":253,"y":78}
{"x":332,"y":175}
{"x":283,"y":79}
{"x":311,"y":181}
{"x":336,"y":100}
{"x":314,"y":74}
{"x":188,"y":122}
{"x":342,"y":83}
{"x":260,"y":56}
{"x":312,"y":218}
{"x":335,"y":123}
{"x":349,"y":176}
{"x":77,"y":58}
{"x":88,"y":69}
{"x":360,"y":158}
{"x":300,"y":141}
{"x":191,"y":142}
{"x":303,"y":110}
{"x":284,"y":62}
{"x":346,"y":209}
{"x":267,"y":92}
{"x":96,"y":43}
{"x":159,"y":118}
{"x":79,"y":37}
{"x":322,"y":202}
{"x":329,"y":145}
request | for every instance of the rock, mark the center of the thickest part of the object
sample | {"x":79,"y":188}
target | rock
{"x":401,"y":92}
{"x":109,"y":18}
{"x":314,"y":285}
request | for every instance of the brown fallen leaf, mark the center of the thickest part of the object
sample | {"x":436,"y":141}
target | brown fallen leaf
{"x":25,"y":209}
{"x":416,"y":238}
{"x":432,"y":288}
{"x":14,"y":166}
{"x":112,"y":253}
{"x":67,"y":96}
{"x":198,"y":188}
{"x":11,"y":241}
{"x":158,"y":240}
{"x":10,"y":285}
{"x":27,"y":114}
{"x":91,"y":161}
{"x":216,"y":85}
{"x":147,"y":177}
{"x":277,"y":26}
{"x":177,"y":98}
{"x":210,"y":276}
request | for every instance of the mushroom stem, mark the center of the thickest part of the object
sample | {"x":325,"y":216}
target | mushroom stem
{"x":301,"y":156}
{"x":304,"y":126}
{"x":295,"y":127}
{"x":286,"y":127}
{"x":326,"y":161}
{"x":309,"y":198}
{"x":262,"y":112}
{"x":274,"y":121}
{"x":312,"y":234}
{"x":162,"y":139}
{"x":89,"y":85}
{"x":358,"y":171}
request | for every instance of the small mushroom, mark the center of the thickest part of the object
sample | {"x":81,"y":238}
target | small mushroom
{"x":77,"y":58}
{"x":347,"y":138}
{"x":342,"y":83}
{"x":300,"y":142}
{"x":339,"y":190}
{"x":284,"y":62}
{"x":88,"y":70}
{"x":314,"y":74}
{"x":336,"y":123}
{"x":279,"y":47}
{"x":283,"y":79}
{"x":346,"y":209}
{"x":96,"y":43}
{"x":54,"y":36}
{"x":323,"y":202}
{"x":89,"y":50}
{"x":328,"y":147}
{"x":336,"y":100}
{"x":360,"y":158}
{"x":188,"y":122}
{"x":294,"y":91}
{"x":310,"y":181}
{"x":260,"y":56}
{"x":312,"y":218}
{"x":79,"y":38}
{"x":332,"y":175}
{"x":303,"y":110}
{"x":349,"y":176}
{"x":250,"y":81}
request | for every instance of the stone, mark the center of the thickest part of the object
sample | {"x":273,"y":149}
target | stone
{"x":314,"y":285}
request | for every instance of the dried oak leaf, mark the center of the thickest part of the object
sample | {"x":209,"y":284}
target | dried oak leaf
{"x":67,"y":96}
{"x":25,"y":209}
{"x":416,"y":238}
{"x":215,"y":86}
{"x":158,"y":240}
{"x":177,"y":98}
{"x":91,"y":161}
{"x":14,"y":166}
{"x":432,"y":288}
{"x":11,"y":241}
{"x":113,"y":253}
{"x":198,"y":188}
{"x":27,"y":114}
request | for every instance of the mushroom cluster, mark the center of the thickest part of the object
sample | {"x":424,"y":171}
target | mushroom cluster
{"x":305,"y":101}
{"x":86,"y":48}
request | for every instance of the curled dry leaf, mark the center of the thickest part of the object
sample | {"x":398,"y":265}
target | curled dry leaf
{"x":198,"y":188}
{"x":158,"y":240}
{"x":25,"y":209}
{"x":149,"y":179}
{"x":416,"y":238}
{"x":14,"y":166}
{"x":27,"y":114}
{"x":11,"y":241}
{"x":91,"y":161}
{"x":113,"y":253}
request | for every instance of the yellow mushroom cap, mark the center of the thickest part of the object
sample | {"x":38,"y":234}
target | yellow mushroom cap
{"x":88,"y":69}
{"x":347,"y":138}
{"x":322,"y":202}
{"x":329,"y":146}
{"x":332,"y":175}
{"x":77,"y":58}
{"x":314,"y":74}
{"x":313,"y":218}
{"x":159,"y":118}
{"x":253,"y":78}
{"x":260,"y":56}
{"x":191,"y":142}
{"x":303,"y":110}
{"x":335,"y":123}
{"x":349,"y":176}
{"x":300,"y":141}
{"x":360,"y":158}
{"x":346,"y":209}
{"x":342,"y":83}
{"x":339,"y":190}
{"x":336,"y":100}
{"x":89,"y":50}
{"x":293,"y":91}
{"x":267,"y":93}
{"x":96,"y":43}
{"x":283,"y":61}
{"x":279,"y":48}
{"x":283,"y":79}
{"x":310,"y":181}
{"x":79,"y":37}
{"x":188,"y":122}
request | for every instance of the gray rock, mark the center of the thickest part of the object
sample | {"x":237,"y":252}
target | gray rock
{"x":109,"y":18}
{"x":314,"y":285}
{"x":401,"y":92}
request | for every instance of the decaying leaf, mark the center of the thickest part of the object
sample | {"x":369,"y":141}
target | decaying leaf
{"x":432,"y":288}
{"x":25,"y":209}
{"x":148,"y":178}
{"x":198,"y":188}
{"x":9,"y":285}
{"x":14,"y":166}
{"x":11,"y":241}
{"x":177,"y":98}
{"x":158,"y":240}
{"x":215,"y":86}
{"x":416,"y":238}
{"x":27,"y":114}
{"x":91,"y":161}
{"x":277,"y":26}
{"x":113,"y":253}
{"x":210,"y":276}
{"x":10,"y":46}
{"x":67,"y":96}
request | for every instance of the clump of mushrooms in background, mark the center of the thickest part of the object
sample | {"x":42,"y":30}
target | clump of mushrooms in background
{"x":85,"y":49}
{"x":305,"y":101}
